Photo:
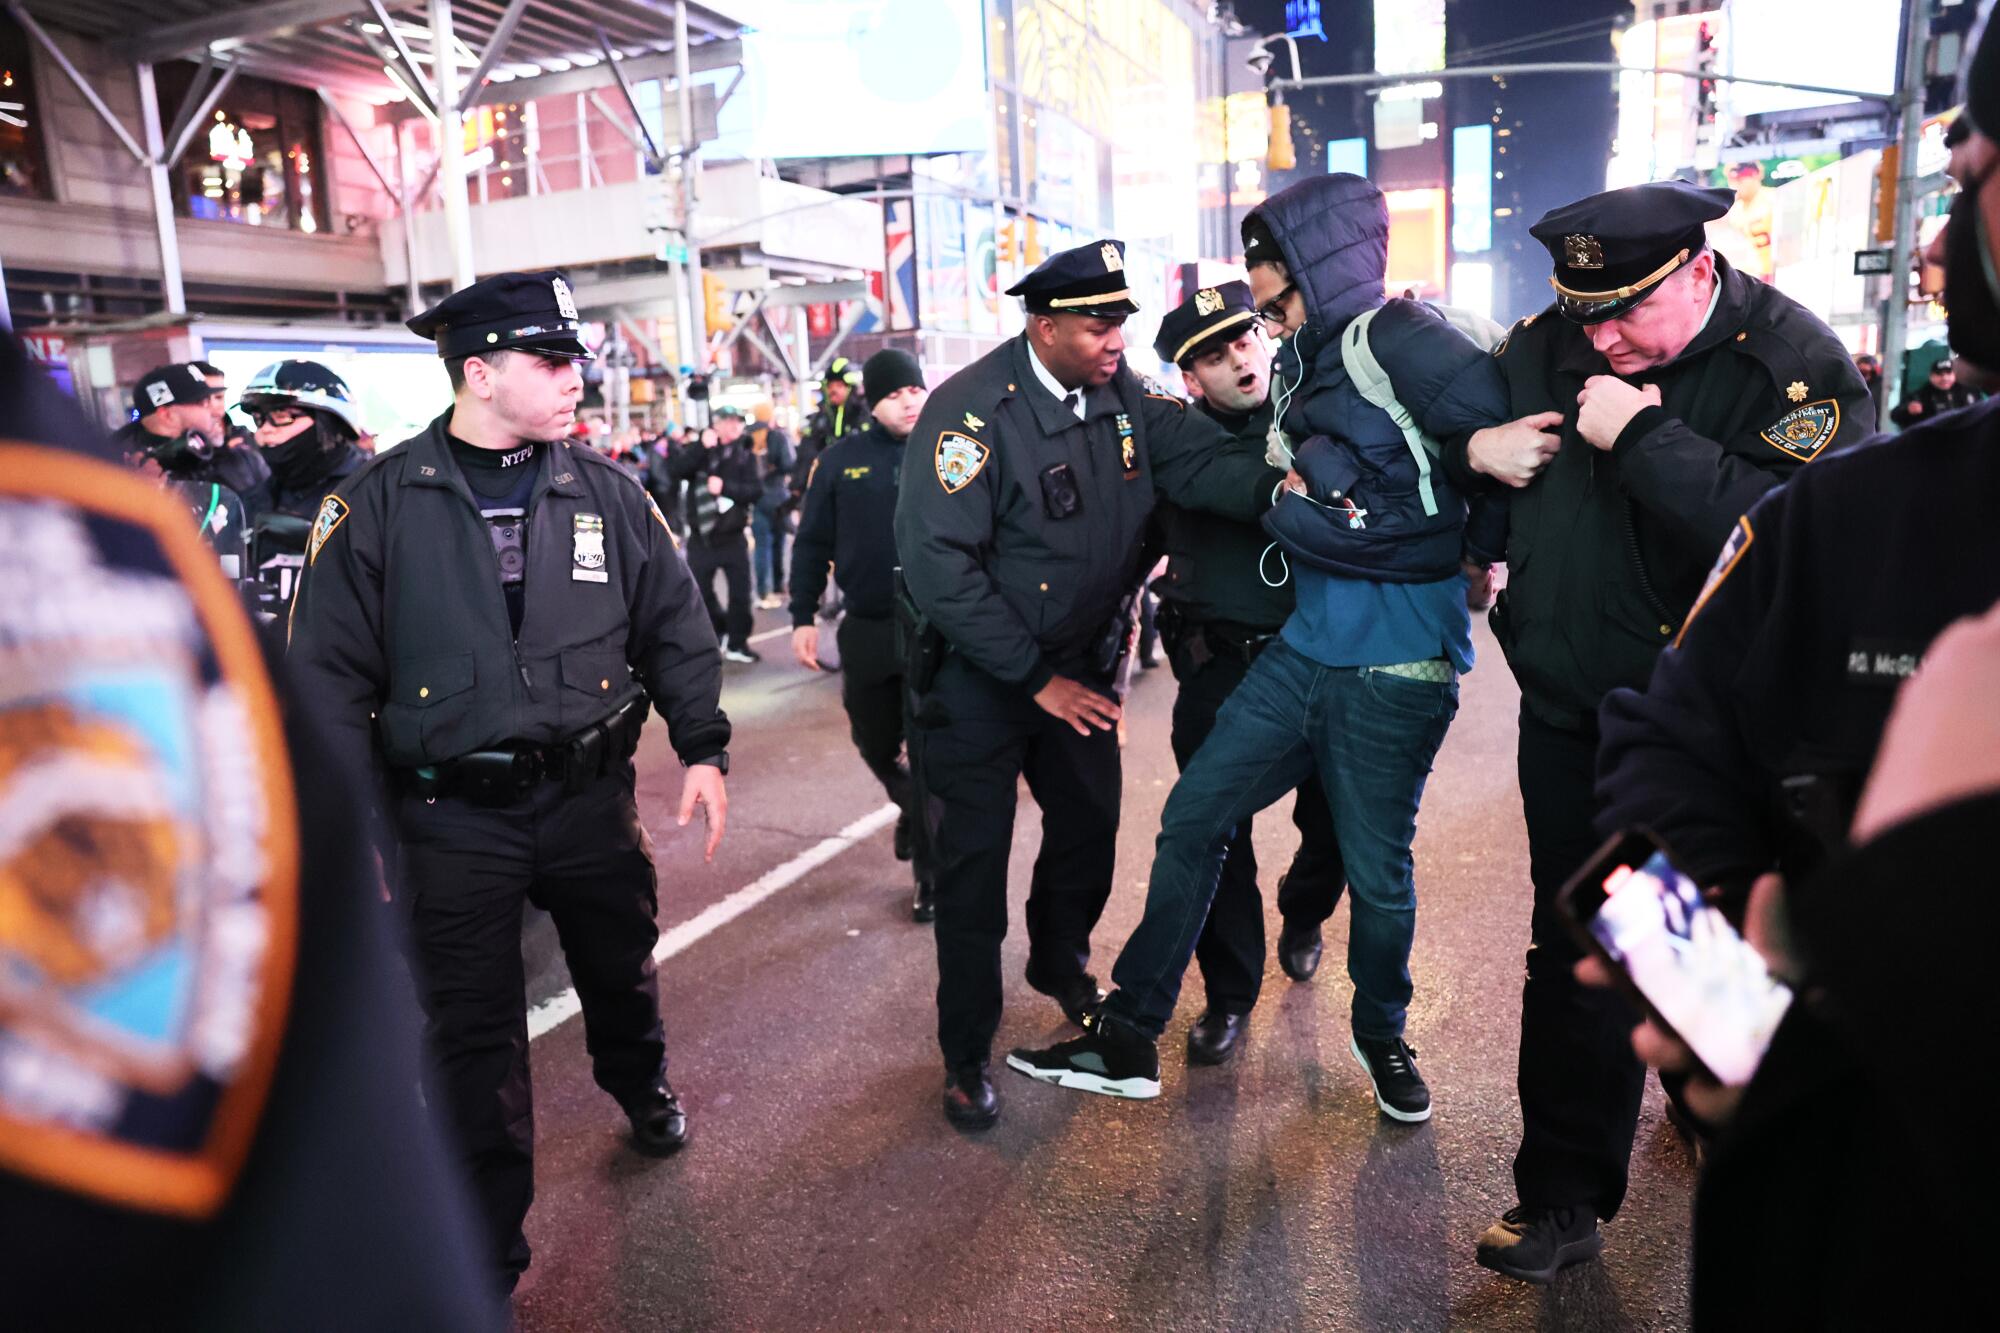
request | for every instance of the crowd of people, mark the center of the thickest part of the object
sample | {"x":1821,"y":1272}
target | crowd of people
{"x":1733,"y":625}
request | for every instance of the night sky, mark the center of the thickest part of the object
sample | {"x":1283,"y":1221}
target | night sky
{"x":1562,"y":124}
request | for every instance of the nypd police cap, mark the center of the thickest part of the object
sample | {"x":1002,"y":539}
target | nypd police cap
{"x":1089,"y":280}
{"x":1217,"y":314}
{"x":1613,"y":250}
{"x":532,"y":311}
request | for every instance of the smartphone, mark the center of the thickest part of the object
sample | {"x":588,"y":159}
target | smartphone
{"x":1676,"y":954}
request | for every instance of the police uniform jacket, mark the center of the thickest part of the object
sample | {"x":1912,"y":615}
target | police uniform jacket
{"x":1607,"y":550}
{"x":1823,"y":602}
{"x":400,"y":612}
{"x":1018,"y":590}
{"x":1216,"y":565}
{"x":849,"y":518}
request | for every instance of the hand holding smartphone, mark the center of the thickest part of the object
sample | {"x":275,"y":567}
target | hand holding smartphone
{"x":1676,"y":955}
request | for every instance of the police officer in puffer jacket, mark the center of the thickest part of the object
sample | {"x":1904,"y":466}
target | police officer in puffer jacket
{"x":1362,"y":682}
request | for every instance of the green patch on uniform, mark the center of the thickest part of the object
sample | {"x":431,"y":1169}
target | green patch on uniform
{"x":959,"y":458}
{"x":1805,"y":430}
{"x":332,"y":511}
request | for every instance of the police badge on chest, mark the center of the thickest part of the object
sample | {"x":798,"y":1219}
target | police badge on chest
{"x":587,"y":550}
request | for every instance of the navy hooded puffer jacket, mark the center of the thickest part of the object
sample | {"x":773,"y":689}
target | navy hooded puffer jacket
{"x":1365,"y":516}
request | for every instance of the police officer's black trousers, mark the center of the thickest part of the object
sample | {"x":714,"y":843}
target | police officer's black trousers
{"x":976,"y":740}
{"x":1230,"y":948}
{"x":871,"y":690}
{"x":1579,"y":1082}
{"x":465,"y":872}
{"x":732,"y":558}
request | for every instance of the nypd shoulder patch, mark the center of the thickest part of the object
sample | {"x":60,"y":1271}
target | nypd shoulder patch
{"x":1805,"y":430}
{"x":1732,"y":554}
{"x":959,"y":459}
{"x":332,"y":512}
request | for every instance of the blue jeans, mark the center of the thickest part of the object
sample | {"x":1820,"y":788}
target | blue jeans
{"x":1371,"y":738}
{"x":770,"y":532}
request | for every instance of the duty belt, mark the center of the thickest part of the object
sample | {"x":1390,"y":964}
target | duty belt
{"x":503,"y":775}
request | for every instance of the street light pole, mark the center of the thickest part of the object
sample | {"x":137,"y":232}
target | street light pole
{"x":1910,"y":99}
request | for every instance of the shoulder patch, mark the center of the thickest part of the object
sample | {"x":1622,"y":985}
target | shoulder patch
{"x":149,"y":868}
{"x":959,"y":458}
{"x":1169,"y":398}
{"x":332,"y":513}
{"x":813,"y":471}
{"x":653,"y":506}
{"x":1804,"y":431}
{"x":1725,"y":564}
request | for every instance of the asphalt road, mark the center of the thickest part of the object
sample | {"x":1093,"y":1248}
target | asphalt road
{"x":824,"y":1190}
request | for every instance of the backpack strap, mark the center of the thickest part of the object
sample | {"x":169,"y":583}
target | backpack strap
{"x":1373,"y":384}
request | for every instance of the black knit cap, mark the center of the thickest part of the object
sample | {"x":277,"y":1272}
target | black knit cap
{"x":888,"y":370}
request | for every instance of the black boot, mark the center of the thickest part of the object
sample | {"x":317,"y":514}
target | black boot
{"x":969,"y":1099}
{"x":659,"y":1125}
{"x":924,"y":906}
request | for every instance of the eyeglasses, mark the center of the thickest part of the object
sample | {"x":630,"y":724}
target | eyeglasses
{"x":1272,"y":312}
{"x":274,"y":416}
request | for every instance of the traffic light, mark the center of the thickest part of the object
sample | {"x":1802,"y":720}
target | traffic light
{"x":1887,"y":170}
{"x":1704,"y":104}
{"x":697,"y":388}
{"x":715,"y":303}
{"x":1280,"y":156}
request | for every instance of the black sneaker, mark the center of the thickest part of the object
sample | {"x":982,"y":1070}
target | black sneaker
{"x":1534,"y":1244}
{"x":1110,"y":1059}
{"x":906,"y":838}
{"x":741,"y":653}
{"x":1392,"y":1067}
{"x":924,"y":906}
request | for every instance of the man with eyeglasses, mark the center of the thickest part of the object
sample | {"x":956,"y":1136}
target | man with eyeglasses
{"x":1361,"y":684}
{"x":306,"y":428}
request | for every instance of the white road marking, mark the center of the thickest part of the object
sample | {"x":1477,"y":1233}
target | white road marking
{"x":777,"y":633}
{"x":553,"y":1012}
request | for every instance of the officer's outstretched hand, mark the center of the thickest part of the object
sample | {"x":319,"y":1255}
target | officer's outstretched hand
{"x":702,"y":785}
{"x":1513,"y":452}
{"x":1078,"y":705}
{"x":1607,"y":405}
{"x":805,"y":646}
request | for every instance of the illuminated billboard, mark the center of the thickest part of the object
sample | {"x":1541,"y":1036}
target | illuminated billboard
{"x":1409,"y":36}
{"x":837,"y":78}
{"x":1472,"y":188}
{"x":1416,"y":242}
{"x":1831,"y":43}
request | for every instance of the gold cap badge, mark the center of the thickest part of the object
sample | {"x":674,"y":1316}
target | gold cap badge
{"x":1207,"y":301}
{"x":1113,"y":261}
{"x":1583,"y":252}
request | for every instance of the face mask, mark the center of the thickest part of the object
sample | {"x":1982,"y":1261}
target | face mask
{"x":1971,"y":290}
{"x":285,"y":457}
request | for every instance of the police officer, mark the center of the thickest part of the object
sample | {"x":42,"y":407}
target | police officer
{"x":1656,"y":401}
{"x":504,"y":603}
{"x":1746,"y":751}
{"x":171,"y":437}
{"x":840,"y":415}
{"x":307,"y":426}
{"x":849,"y":521}
{"x":723,"y":484}
{"x":1224,"y":596}
{"x":1025,"y":495}
{"x":222,"y":1089}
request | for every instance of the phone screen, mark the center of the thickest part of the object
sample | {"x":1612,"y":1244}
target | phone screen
{"x":1698,"y":974}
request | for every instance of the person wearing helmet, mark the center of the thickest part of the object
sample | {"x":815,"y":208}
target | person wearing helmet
{"x":307,"y":430}
{"x":841,"y":414}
